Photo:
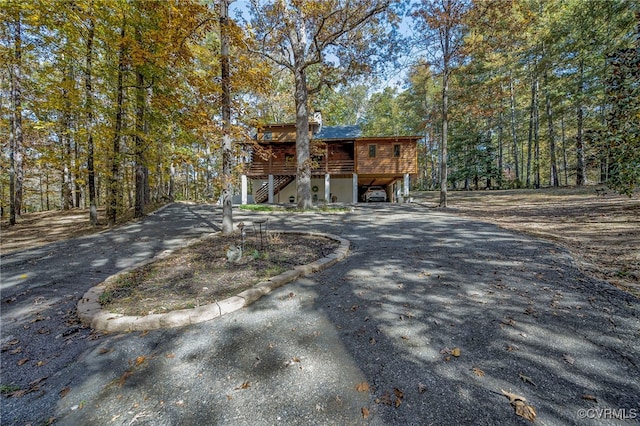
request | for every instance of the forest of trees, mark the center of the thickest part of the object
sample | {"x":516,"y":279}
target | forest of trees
{"x":120,"y":103}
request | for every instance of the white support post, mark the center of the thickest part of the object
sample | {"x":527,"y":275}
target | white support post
{"x":327,"y":188}
{"x":405,"y":188}
{"x":355,"y":188}
{"x":243,"y":187}
{"x":270,"y":189}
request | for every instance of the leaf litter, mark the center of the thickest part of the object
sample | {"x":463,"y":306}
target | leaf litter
{"x":519,"y":403}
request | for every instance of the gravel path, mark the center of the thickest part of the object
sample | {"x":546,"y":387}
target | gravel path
{"x":418,"y":284}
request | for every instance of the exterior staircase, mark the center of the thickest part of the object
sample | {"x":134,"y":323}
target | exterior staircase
{"x":279,"y":182}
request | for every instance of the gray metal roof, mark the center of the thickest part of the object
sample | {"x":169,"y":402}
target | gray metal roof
{"x":338,"y":132}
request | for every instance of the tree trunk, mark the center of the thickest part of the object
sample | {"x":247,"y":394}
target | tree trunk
{"x":303,"y":172}
{"x":227,"y":151}
{"x":16,"y":170}
{"x":552,"y":141}
{"x":76,"y":176}
{"x":172,"y":183}
{"x":532,"y":114}
{"x":114,"y":187}
{"x":65,"y":138}
{"x":580,"y":166}
{"x":514,"y":134}
{"x":139,"y":149}
{"x":93,"y":211}
{"x":564,"y":151}
{"x":445,"y":117}
{"x":500,"y":147}
{"x":139,"y":144}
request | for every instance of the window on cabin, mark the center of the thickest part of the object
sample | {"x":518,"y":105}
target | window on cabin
{"x":372,"y":151}
{"x":396,"y":150}
{"x":267,"y":136}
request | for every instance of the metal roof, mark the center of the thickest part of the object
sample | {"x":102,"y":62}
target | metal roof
{"x":338,"y":132}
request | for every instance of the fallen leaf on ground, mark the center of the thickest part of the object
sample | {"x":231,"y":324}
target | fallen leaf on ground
{"x":384,"y":399}
{"x":526,"y":379}
{"x":590,"y":398}
{"x":520,"y":405}
{"x":245,"y":385}
{"x":124,"y":377}
{"x":16,"y":350}
{"x":362,"y":387}
{"x":399,"y":396}
{"x":23,"y":361}
{"x":568,"y":359}
{"x":41,"y":363}
{"x":170,"y":355}
{"x":477,"y":372}
{"x":65,"y":391}
{"x":103,"y":351}
{"x":140,"y":360}
{"x":455,"y":352}
{"x":365,"y":412}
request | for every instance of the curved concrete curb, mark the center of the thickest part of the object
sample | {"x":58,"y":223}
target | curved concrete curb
{"x":91,"y":312}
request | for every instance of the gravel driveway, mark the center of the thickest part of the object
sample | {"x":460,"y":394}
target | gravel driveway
{"x":420,"y":284}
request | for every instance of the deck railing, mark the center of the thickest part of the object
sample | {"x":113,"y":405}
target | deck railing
{"x":334,"y":167}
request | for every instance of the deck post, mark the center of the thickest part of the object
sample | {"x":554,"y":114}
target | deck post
{"x":327,"y":188}
{"x":243,"y":188}
{"x":355,"y":188}
{"x":405,"y":187}
{"x":270,"y":189}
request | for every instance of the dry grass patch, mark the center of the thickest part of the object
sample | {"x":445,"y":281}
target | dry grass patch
{"x":601,"y":231}
{"x":201,"y":273}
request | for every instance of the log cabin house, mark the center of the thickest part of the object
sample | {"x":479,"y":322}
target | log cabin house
{"x":345,"y":164}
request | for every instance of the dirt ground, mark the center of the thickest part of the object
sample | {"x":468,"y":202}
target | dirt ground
{"x":202,"y":273}
{"x":600,"y":228}
{"x":602,"y":231}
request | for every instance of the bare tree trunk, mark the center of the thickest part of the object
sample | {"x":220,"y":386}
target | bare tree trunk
{"x":564,"y":151}
{"x":445,"y":115}
{"x":139,"y":146}
{"x":16,"y":170}
{"x":227,"y":151}
{"x":113,"y":189}
{"x":532,"y":115}
{"x":514,"y":134}
{"x":500,"y":146}
{"x":580,"y":166}
{"x":552,"y":140}
{"x":65,"y":138}
{"x":93,"y":211}
{"x":76,"y":176}
{"x":303,"y":182}
{"x":12,"y":162}
{"x":172,"y":183}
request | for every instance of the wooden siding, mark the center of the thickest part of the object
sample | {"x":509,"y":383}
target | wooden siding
{"x":384,"y":162}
